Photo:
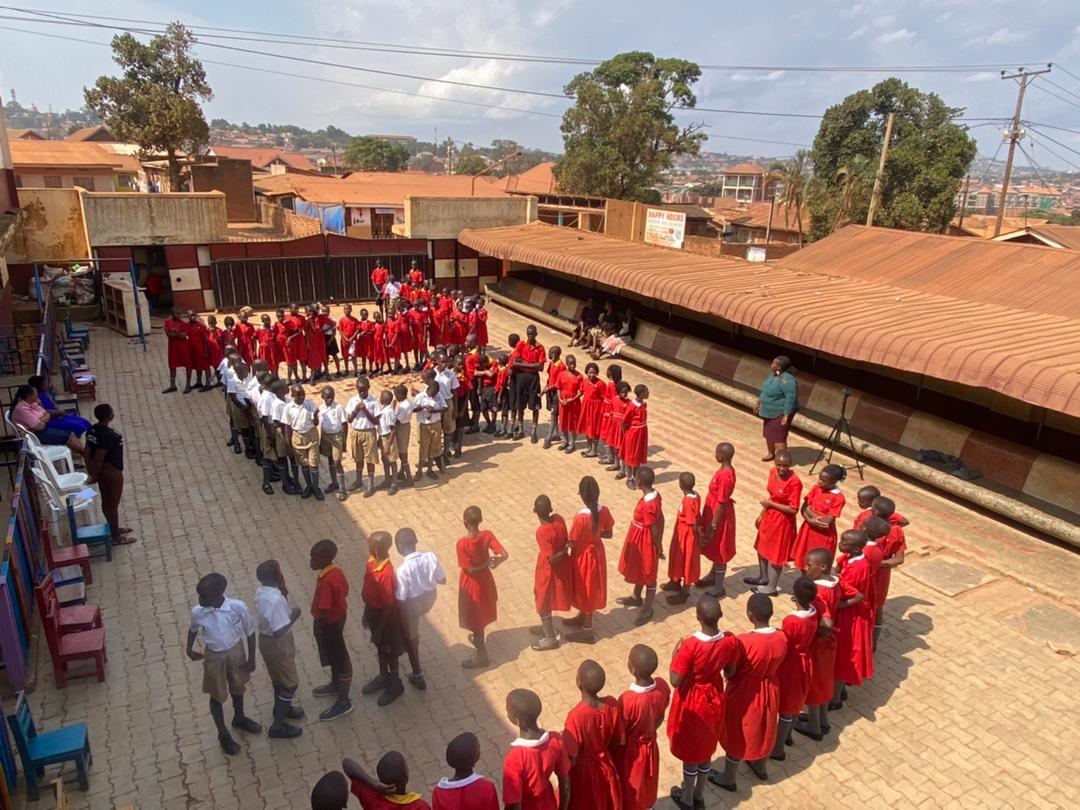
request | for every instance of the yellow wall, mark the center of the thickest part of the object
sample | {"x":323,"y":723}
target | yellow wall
{"x":53,"y":228}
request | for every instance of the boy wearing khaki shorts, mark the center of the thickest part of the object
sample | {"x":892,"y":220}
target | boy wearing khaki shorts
{"x":403,"y":407}
{"x":363,"y":413}
{"x":299,"y":419}
{"x":388,"y":447}
{"x":227,"y":666}
{"x":278,"y":648}
{"x":334,"y":424}
{"x":429,"y":408}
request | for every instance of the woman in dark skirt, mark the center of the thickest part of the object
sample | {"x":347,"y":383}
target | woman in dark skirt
{"x":777,"y":403}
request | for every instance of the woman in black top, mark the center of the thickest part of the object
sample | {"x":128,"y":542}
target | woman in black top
{"x":105,"y":465}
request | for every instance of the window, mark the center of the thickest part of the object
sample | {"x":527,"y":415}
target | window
{"x":18,"y":181}
{"x":85,"y":181}
{"x":53,"y":182}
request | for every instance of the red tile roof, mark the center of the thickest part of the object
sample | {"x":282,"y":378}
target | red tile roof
{"x":61,"y":154}
{"x":261,"y":158}
{"x":374,"y":188}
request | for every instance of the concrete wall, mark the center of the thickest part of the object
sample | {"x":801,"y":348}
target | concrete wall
{"x":714,"y":247}
{"x":156,"y":219}
{"x":95,"y":179}
{"x":53,"y":228}
{"x":233,"y":178}
{"x":285,"y":221}
{"x":446,"y":217}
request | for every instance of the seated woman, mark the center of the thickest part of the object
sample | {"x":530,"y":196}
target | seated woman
{"x":613,"y":344}
{"x":586,"y":321}
{"x":26,"y":412}
{"x":61,"y":420}
{"x":607,"y":324}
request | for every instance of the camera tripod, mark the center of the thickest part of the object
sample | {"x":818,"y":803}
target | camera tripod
{"x":840,"y":432}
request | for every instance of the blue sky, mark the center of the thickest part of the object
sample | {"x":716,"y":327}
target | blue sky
{"x":855,"y":32}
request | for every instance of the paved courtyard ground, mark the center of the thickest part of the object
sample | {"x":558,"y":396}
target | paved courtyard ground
{"x":972,"y":705}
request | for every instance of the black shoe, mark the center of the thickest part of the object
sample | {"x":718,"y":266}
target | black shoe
{"x":630,"y":601}
{"x":331,"y":487}
{"x":581,"y":636}
{"x":678,"y":598}
{"x":392,"y":692}
{"x":434,"y":476}
{"x":716,"y":777}
{"x":337,"y":710}
{"x":342,"y":495}
{"x":171,"y":389}
{"x":246,"y":724}
{"x":376,"y":684}
{"x":417,"y":680}
{"x":441,"y":464}
{"x":318,"y":493}
{"x":295,"y":713}
{"x":238,"y":448}
{"x":284,"y":732}
{"x":643,"y":618}
{"x":228,"y":744}
{"x":187,"y":390}
{"x":489,"y":429}
{"x":369,"y":491}
{"x":269,"y":490}
{"x":325,"y":690}
{"x":307,"y":493}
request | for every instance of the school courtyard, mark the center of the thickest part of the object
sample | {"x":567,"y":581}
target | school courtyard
{"x":970,"y":705}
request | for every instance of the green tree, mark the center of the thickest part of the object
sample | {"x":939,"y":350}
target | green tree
{"x":470,"y":164}
{"x":796,"y":184}
{"x":375,"y":155}
{"x":621,"y":132}
{"x":155,"y":100}
{"x":928,"y":157}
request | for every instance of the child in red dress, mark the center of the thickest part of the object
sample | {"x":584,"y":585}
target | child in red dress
{"x":550,"y":393}
{"x":197,"y":351}
{"x":388,"y":790}
{"x":215,"y":343}
{"x":620,"y":401}
{"x":893,"y":551}
{"x":179,"y":354}
{"x":569,"y":390}
{"x":481,"y":327}
{"x":466,"y":790}
{"x":820,"y":510}
{"x":642,"y":707}
{"x":719,"y":521}
{"x":533,"y":757}
{"x":293,"y":327}
{"x":611,"y":393}
{"x":800,"y":627}
{"x":593,"y":732}
{"x":554,"y":577}
{"x":776,"y":525}
{"x":382,"y":619}
{"x":854,"y":626}
{"x":244,"y":335}
{"x":479,"y":553}
{"x":865,"y":497}
{"x":379,"y":351}
{"x":752,"y":696}
{"x":696,"y":719}
{"x":365,"y":342}
{"x":347,"y":328}
{"x":684,"y":554}
{"x":592,"y":409}
{"x":635,"y":446}
{"x":316,"y":343}
{"x":269,"y":352}
{"x":591,"y":526}
{"x":643,"y":548}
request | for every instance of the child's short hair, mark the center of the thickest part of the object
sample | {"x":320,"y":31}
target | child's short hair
{"x":392,"y":769}
{"x":591,"y":676}
{"x":647,"y":475}
{"x":623,"y":388}
{"x":526,"y":705}
{"x":614,"y":371}
{"x":268,"y":572}
{"x":760,"y":606}
{"x":805,"y":591}
{"x":820,"y":555}
{"x":641,"y":391}
{"x":503,"y":358}
{"x":592,"y":367}
{"x":213,"y":584}
{"x":883,"y":507}
{"x":687,"y":481}
{"x":463,"y":752}
{"x":513,"y":339}
{"x":331,"y":792}
{"x":386,"y":397}
{"x":473,"y":516}
{"x":102,"y":411}
{"x":324,"y":548}
{"x":555,"y":351}
{"x":405,"y":538}
{"x":876,"y":527}
{"x":401,"y":392}
{"x":644,"y":660}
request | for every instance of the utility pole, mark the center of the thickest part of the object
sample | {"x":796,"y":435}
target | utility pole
{"x":875,"y":195}
{"x":963,"y":200}
{"x":1024,"y":77}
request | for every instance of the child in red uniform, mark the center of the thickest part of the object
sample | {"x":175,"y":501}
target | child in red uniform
{"x":635,"y":447}
{"x":466,"y":790}
{"x":594,"y":730}
{"x":551,"y":393}
{"x":347,"y":327}
{"x":591,"y":526}
{"x":643,"y":548}
{"x":554,"y":577}
{"x":316,"y":343}
{"x":752,"y":695}
{"x":329,"y":607}
{"x":719,"y":521}
{"x":611,"y":393}
{"x":696,"y":720}
{"x":831,"y":594}
{"x":569,"y":393}
{"x":865,"y":497}
{"x":268,"y":347}
{"x":620,"y":403}
{"x":294,"y":345}
{"x":481,"y":328}
{"x":380,"y":353}
{"x":244,"y":336}
{"x":198,"y":348}
{"x":800,"y":627}
{"x":533,"y":757}
{"x":776,"y":524}
{"x":179,"y":354}
{"x":419,"y":317}
{"x":381,"y":618}
{"x":390,"y":791}
{"x":684,"y":553}
{"x":215,"y":345}
{"x":893,"y":551}
{"x":820,"y":511}
{"x":365,"y":342}
{"x":854,"y":625}
{"x":642,"y":707}
{"x":592,"y":409}
{"x":479,"y":553}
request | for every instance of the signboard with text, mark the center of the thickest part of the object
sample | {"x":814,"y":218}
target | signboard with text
{"x":666,"y":228}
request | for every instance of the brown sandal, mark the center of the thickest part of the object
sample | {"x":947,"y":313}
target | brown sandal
{"x":124,"y":540}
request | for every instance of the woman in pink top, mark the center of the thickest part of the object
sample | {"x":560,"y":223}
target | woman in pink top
{"x":27,"y":412}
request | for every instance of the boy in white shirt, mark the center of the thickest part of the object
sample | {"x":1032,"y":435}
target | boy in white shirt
{"x":285,"y":465}
{"x":429,"y":408}
{"x":387,"y":421}
{"x":334,"y":423}
{"x":299,"y":420}
{"x":363,"y":413}
{"x":403,"y":407}
{"x":263,"y":407}
{"x":448,"y":382}
{"x":278,"y":648}
{"x":238,"y":399}
{"x":415,"y":580}
{"x":227,"y":667}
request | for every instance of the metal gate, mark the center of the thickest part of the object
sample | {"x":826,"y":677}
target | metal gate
{"x":270,"y":282}
{"x":349,"y":277}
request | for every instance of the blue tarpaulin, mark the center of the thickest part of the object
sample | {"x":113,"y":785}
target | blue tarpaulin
{"x":331,"y":216}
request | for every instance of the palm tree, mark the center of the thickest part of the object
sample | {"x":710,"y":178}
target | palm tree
{"x":854,"y":179}
{"x":795,"y":179}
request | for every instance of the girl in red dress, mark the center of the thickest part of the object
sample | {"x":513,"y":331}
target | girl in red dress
{"x":696,"y":720}
{"x":684,"y":555}
{"x":592,"y":733}
{"x":244,"y":335}
{"x":893,"y":551}
{"x":752,"y":696}
{"x":592,"y":409}
{"x":611,"y":394}
{"x":854,"y":626}
{"x":591,"y":526}
{"x":296,"y":344}
{"x":215,"y":347}
{"x":438,"y":322}
{"x":419,"y":316}
{"x":800,"y":627}
{"x":479,"y":553}
{"x":823,"y":505}
{"x":365,"y":342}
{"x":281,"y":335}
{"x":642,"y":708}
{"x":379,"y":353}
{"x":569,"y":390}
{"x":550,"y":393}
{"x":635,"y":442}
{"x":719,"y":521}
{"x":554,"y":577}
{"x":617,"y":427}
{"x":347,"y":327}
{"x":316,"y":344}
{"x":643,"y":548}
{"x":269,"y":351}
{"x":179,"y":355}
{"x":776,"y":524}
{"x":197,"y":346}
{"x":481,"y":323}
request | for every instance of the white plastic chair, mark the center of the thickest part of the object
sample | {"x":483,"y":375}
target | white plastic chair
{"x":54,"y":452}
{"x":65,"y":483}
{"x":56,"y":504}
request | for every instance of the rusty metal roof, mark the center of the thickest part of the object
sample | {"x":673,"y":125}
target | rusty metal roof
{"x":1023,"y":352}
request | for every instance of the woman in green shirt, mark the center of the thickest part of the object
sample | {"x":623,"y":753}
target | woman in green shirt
{"x":777,"y":403}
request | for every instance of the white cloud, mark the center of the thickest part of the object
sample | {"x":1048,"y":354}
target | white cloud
{"x":771,"y":76}
{"x":884,"y":21}
{"x":858,"y":33}
{"x":1002,"y":36}
{"x":984,"y":76}
{"x":893,"y":37}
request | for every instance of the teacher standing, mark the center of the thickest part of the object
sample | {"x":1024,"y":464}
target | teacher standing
{"x":777,"y":403}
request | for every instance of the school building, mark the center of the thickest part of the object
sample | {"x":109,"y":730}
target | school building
{"x":964,"y":347}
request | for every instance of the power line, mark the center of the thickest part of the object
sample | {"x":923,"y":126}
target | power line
{"x":1055,"y":95}
{"x":1051,"y":126}
{"x":1054,"y":140}
{"x":1066,"y":71}
{"x":1052,"y":152}
{"x":1064,"y":90}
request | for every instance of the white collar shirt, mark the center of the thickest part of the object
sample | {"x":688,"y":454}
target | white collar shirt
{"x":387,"y":415}
{"x":423,"y":401}
{"x":252,"y":387}
{"x":332,"y":418}
{"x":448,"y":382}
{"x":301,"y":418}
{"x":222,"y":627}
{"x":272,"y":609}
{"x":417,"y":575}
{"x":404,"y":410}
{"x":266,"y":404}
{"x":277,"y":409}
{"x":363,"y":421}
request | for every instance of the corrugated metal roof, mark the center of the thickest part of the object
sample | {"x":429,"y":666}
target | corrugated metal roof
{"x":1056,"y":236}
{"x":1026,"y":354}
{"x":262,"y":157}
{"x":374,"y":188}
{"x":57,"y":154}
